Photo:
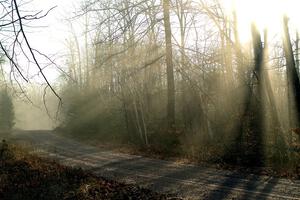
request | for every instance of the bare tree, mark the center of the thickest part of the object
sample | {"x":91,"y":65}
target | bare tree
{"x":169,"y":62}
{"x":292,"y":77}
{"x":14,"y":41}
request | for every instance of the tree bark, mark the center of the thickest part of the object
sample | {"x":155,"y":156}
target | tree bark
{"x":292,"y":77}
{"x":169,"y":62}
{"x":256,"y":111}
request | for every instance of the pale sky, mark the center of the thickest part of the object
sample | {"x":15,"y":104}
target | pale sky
{"x":265,"y":13}
{"x":50,"y":38}
{"x":56,"y":31}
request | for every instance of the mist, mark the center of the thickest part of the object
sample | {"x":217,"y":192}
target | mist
{"x":186,"y":85}
{"x":204,"y":82}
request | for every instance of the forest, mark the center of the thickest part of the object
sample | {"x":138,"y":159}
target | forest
{"x":176,"y":78}
{"x":212,"y":82}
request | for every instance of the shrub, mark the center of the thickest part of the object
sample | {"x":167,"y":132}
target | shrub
{"x":7,"y":115}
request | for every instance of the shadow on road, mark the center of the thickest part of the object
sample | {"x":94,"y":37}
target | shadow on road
{"x":164,"y":176}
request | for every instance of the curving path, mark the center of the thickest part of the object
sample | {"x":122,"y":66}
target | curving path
{"x":187,"y":181}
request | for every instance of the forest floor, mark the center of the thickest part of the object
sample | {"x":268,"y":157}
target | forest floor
{"x":25,"y":176}
{"x":183,"y":180}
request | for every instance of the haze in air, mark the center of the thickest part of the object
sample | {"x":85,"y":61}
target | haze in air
{"x":163,"y":95}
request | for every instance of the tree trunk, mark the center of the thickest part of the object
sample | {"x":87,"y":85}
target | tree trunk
{"x":169,"y":62}
{"x":292,"y":77}
{"x":255,"y":144}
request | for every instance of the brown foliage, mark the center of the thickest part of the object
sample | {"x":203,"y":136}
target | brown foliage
{"x":25,"y":176}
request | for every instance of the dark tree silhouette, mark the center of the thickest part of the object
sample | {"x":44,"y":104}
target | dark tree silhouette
{"x":14,"y":42}
{"x":170,"y":68}
{"x":292,"y":77}
{"x":7,"y":115}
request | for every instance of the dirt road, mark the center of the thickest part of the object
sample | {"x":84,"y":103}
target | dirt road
{"x":187,"y":181}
